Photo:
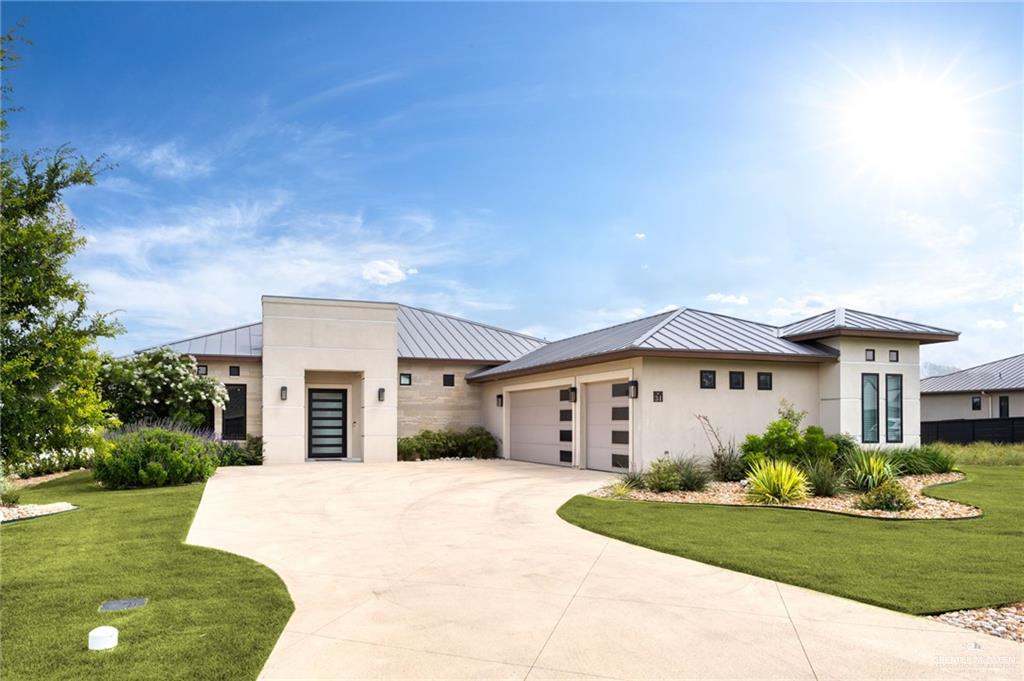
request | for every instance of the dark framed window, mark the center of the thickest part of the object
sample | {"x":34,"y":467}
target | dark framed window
{"x":764,"y":380}
{"x":234,"y":370}
{"x":737,"y":379}
{"x":620,"y":389}
{"x":1004,"y":406}
{"x":232,"y":416}
{"x":869,"y":407}
{"x":707,"y":379}
{"x":620,"y":437}
{"x":894,"y":355}
{"x":404,"y":379}
{"x":894,"y":407}
{"x":565,"y":436}
{"x":620,"y":461}
{"x":565,"y":456}
{"x":564,"y":395}
{"x":976,"y":403}
{"x":620,"y":413}
{"x":869,"y":355}
{"x":565,"y":414}
{"x":448,"y":380}
{"x":202,"y":369}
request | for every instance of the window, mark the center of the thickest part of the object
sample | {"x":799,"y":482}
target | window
{"x":894,"y":408}
{"x":764,"y":380}
{"x":620,"y":437}
{"x":620,"y":389}
{"x":202,"y":370}
{"x":620,"y":413}
{"x":1004,"y":406}
{"x":620,"y":461}
{"x":232,"y":426}
{"x":707,"y":379}
{"x":448,"y":380}
{"x":894,"y":355}
{"x":565,"y":414}
{"x":234,"y":371}
{"x":869,"y":355}
{"x":869,"y":407}
{"x":565,"y":456}
{"x":404,"y":379}
{"x":565,"y":436}
{"x":976,"y":403}
{"x":737,"y":380}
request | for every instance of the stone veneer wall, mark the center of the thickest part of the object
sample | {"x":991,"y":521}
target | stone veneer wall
{"x":429,"y":405}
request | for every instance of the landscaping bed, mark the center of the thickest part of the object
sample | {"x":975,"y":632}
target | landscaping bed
{"x":1004,"y":622}
{"x":735,"y":494}
{"x":26,"y":511}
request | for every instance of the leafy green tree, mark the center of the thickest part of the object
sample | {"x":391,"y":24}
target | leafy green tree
{"x":159,"y":384}
{"x":48,"y":338}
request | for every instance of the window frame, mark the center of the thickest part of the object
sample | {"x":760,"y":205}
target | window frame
{"x":863,"y":410}
{"x":975,"y":402}
{"x":202,"y":370}
{"x":404,"y":379}
{"x":765,"y":374}
{"x":234,"y":370}
{"x":742,"y":375}
{"x":712,"y":373}
{"x":888,"y":438}
{"x":894,"y":355}
{"x":447,"y":380}
{"x":869,"y":354}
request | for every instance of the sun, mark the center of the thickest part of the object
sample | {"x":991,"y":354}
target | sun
{"x":908,"y":130}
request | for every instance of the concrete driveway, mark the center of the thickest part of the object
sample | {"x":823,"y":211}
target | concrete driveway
{"x":444,"y":570}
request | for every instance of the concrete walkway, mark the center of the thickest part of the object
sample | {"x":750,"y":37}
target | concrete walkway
{"x":444,"y":570}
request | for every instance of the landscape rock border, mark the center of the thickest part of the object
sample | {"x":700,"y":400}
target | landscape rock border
{"x":11,"y":513}
{"x":1005,"y":622}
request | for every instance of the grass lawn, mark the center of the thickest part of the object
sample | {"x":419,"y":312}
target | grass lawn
{"x":211,"y":615}
{"x":917,"y":566}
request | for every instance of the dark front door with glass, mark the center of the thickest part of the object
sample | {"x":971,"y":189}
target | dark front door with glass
{"x":327,"y":432}
{"x":1004,"y":406}
{"x":232,"y":426}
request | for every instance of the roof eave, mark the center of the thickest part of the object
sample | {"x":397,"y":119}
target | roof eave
{"x":923,"y":338}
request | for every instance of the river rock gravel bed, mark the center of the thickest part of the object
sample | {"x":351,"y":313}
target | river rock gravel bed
{"x":9,"y":513}
{"x":1005,"y":622}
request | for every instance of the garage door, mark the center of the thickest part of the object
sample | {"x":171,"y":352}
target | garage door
{"x":608,"y":426}
{"x":540,"y":426}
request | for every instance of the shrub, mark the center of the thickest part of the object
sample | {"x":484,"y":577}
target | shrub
{"x":920,"y":460}
{"x":476,"y":442}
{"x":781,"y":440}
{"x":8,"y":495}
{"x":693,"y":474}
{"x":816,"y":446}
{"x":868,"y":470}
{"x":634,"y":479}
{"x":662,"y":476}
{"x":845,"y":444}
{"x":888,"y":496}
{"x":823,"y":478}
{"x":54,"y":462}
{"x":727,"y":465}
{"x":154,"y":457}
{"x":619,"y":490}
{"x":231,"y":453}
{"x":776,"y":482}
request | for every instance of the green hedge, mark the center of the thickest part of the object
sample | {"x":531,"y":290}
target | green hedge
{"x":475,"y":443}
{"x":154,"y":457}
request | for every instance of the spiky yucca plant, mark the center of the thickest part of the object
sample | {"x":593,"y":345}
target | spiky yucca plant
{"x":776,"y":482}
{"x":868,"y":470}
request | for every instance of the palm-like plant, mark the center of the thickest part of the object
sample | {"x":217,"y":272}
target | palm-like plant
{"x":776,"y":482}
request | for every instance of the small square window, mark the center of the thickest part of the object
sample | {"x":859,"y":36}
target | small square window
{"x":620,"y":437}
{"x":202,"y":370}
{"x":707,"y":379}
{"x":565,"y":436}
{"x":234,"y":371}
{"x":976,"y":403}
{"x":565,"y":414}
{"x":869,"y":355}
{"x":448,"y":380}
{"x":565,"y":456}
{"x":620,"y":389}
{"x":620,"y":461}
{"x":736,"y":380}
{"x":659,"y":396}
{"x":764,"y":380}
{"x":620,"y":413}
{"x":894,"y":355}
{"x":404,"y":379}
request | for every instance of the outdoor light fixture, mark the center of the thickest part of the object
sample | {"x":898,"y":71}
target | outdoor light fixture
{"x":501,"y":400}
{"x":572,"y":394}
{"x":284,"y":393}
{"x":634,"y":389}
{"x":380,"y":394}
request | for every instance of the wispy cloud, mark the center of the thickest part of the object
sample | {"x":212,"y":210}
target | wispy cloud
{"x":991,"y":324}
{"x":639,"y":236}
{"x":383,"y":272}
{"x":727,"y":299}
{"x":344,"y":88}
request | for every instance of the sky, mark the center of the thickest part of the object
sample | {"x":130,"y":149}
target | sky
{"x":549,"y":168}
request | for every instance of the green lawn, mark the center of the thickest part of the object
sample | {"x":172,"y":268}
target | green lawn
{"x":211,"y":615}
{"x":920,"y":566}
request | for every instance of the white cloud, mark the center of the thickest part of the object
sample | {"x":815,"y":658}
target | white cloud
{"x":411,"y":271}
{"x":640,"y":236}
{"x":168,"y":161}
{"x":727,"y":299}
{"x":932,"y":233}
{"x":666,"y":308}
{"x":383,"y":272}
{"x":991,"y":324}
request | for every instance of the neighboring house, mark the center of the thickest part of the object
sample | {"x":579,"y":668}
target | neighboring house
{"x":957,"y":406}
{"x":342,"y":380}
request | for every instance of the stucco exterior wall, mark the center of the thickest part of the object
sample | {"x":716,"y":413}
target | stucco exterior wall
{"x":303,"y":335}
{"x":950,"y":406}
{"x":428,"y":404}
{"x":251,"y":376}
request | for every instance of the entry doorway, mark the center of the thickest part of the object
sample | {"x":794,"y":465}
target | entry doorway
{"x":328,"y":409}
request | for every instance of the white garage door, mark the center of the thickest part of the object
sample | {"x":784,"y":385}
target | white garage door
{"x":608,"y":426}
{"x":540,"y":426}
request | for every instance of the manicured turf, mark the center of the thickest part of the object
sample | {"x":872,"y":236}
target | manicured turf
{"x":920,"y":566}
{"x":211,"y":615}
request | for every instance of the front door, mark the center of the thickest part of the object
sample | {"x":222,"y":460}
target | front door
{"x":1004,"y":406}
{"x":327,"y":432}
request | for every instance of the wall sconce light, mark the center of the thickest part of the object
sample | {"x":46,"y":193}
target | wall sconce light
{"x":501,"y":400}
{"x":284,"y":393}
{"x":380,"y":394}
{"x":572,"y":394}
{"x":634,"y":389}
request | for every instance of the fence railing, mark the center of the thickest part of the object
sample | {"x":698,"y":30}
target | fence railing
{"x":964,"y":431}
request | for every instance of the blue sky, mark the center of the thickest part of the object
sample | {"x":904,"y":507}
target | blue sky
{"x":548,"y":168}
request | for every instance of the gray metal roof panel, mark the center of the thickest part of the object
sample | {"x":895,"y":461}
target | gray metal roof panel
{"x":1002,"y":374}
{"x":855,"y":320}
{"x":706,"y":331}
{"x":241,"y":341}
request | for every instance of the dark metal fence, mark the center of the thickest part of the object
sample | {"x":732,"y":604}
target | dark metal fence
{"x":964,"y":431}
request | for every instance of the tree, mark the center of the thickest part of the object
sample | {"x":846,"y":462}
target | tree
{"x":159,"y":384}
{"x":48,"y":393}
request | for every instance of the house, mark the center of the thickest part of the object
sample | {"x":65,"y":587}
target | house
{"x":985,"y":402}
{"x":342,"y":380}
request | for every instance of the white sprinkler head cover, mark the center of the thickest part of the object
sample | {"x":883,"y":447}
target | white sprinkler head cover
{"x":103,"y":638}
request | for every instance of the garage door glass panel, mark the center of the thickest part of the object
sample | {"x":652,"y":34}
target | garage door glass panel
{"x":327,"y":437}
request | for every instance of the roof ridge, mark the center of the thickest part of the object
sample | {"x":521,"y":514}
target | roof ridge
{"x":658,"y":327}
{"x":976,"y":366}
{"x":199,"y":335}
{"x":475,"y":323}
{"x":615,"y":326}
{"x":730,"y":316}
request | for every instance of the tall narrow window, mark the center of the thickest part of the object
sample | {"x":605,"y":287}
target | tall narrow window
{"x":894,"y":408}
{"x":869,"y":407}
{"x":976,"y":403}
{"x":232,"y":425}
{"x":1004,"y":406}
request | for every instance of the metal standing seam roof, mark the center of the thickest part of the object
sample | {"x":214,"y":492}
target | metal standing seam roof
{"x":422,"y":334}
{"x":1002,"y":374}
{"x":853,"y":320}
{"x":683,"y":330}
